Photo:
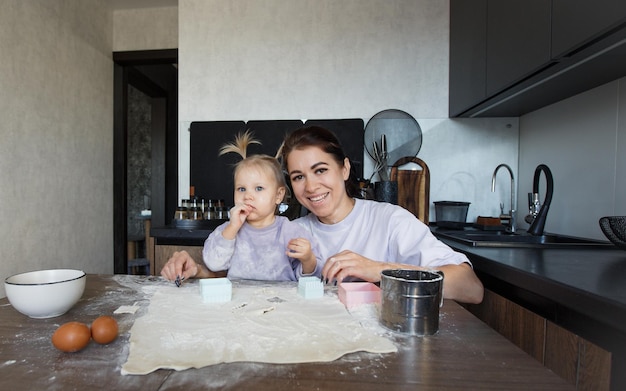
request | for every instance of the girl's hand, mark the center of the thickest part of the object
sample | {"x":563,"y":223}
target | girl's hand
{"x":350,"y":264}
{"x":238,"y":215}
{"x":300,"y":249}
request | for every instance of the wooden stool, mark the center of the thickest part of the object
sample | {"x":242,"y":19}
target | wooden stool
{"x":134,"y":263}
{"x":134,"y":247}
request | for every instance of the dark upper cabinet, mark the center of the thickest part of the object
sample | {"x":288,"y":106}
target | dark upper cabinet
{"x":468,"y":45}
{"x":518,"y":41}
{"x":511,"y":57}
{"x":576,"y":23}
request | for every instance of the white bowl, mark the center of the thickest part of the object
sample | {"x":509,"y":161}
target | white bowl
{"x":45,"y":293}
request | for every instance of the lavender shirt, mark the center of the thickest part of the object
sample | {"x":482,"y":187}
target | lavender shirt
{"x":258,"y":253}
{"x":382,"y":232}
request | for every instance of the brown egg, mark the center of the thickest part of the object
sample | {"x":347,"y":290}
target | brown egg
{"x":71,"y":337}
{"x":104,"y":330}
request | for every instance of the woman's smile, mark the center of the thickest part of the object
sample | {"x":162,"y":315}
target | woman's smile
{"x":318,"y":182}
{"x":318,"y":198}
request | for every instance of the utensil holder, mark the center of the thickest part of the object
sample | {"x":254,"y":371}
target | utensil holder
{"x":386,"y":191}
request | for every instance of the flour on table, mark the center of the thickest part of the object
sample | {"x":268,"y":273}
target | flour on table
{"x":180,"y":331}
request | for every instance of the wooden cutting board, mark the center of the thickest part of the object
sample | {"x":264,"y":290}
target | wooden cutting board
{"x":413,"y":187}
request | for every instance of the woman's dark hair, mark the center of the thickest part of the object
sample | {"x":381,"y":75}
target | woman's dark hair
{"x":327,"y":141}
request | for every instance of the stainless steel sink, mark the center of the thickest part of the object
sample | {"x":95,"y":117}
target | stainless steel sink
{"x":477,"y":238}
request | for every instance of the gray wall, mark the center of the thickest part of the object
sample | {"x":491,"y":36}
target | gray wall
{"x":56,"y":137}
{"x":56,"y":78}
{"x":145,"y":28}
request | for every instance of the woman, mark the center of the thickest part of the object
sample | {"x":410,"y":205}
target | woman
{"x":359,"y":238}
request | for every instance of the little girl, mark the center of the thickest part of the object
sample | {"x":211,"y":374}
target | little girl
{"x":256,"y":243}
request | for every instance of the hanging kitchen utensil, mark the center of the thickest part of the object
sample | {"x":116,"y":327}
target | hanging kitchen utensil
{"x":398,"y":130}
{"x":384,"y":156}
{"x":379,"y":164}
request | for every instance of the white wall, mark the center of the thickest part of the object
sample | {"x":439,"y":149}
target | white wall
{"x":56,"y":78}
{"x":583,"y":141}
{"x":301,"y":59}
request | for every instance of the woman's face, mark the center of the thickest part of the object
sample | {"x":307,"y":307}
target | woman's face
{"x":318,"y":183}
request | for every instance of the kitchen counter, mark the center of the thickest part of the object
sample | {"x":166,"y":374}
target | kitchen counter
{"x":464,"y":354}
{"x":581,"y":290}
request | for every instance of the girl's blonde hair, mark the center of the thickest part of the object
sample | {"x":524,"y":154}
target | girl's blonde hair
{"x":264,"y":162}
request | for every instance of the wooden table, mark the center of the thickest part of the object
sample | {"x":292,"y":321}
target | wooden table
{"x":464,"y":355}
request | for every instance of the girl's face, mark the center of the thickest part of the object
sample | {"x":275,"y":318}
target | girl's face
{"x":258,"y":189}
{"x":318,"y":183}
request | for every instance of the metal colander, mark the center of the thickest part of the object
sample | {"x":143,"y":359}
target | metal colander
{"x":614,"y":228}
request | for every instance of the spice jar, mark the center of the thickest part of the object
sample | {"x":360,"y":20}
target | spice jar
{"x":180,"y":213}
{"x":221,"y":213}
{"x":195,"y":213}
{"x":210,"y":213}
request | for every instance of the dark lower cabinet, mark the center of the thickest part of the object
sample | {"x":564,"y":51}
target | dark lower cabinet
{"x":578,"y":361}
{"x":594,"y":370}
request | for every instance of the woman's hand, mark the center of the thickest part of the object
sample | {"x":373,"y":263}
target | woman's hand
{"x":300,"y":249}
{"x":459,"y":283}
{"x":350,"y":264}
{"x":180,"y":265}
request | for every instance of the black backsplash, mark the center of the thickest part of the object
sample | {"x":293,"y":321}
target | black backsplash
{"x":212,"y":175}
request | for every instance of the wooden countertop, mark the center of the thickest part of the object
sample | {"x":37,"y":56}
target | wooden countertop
{"x":464,"y":354}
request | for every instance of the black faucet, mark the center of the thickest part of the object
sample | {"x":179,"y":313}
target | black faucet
{"x":536,"y":228}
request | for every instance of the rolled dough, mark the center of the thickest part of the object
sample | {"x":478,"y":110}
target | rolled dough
{"x":265,"y":322}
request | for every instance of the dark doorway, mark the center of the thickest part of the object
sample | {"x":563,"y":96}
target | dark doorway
{"x":145,"y":143}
